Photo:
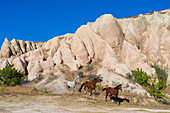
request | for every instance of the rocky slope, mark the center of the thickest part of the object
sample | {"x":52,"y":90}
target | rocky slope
{"x":120,"y":45}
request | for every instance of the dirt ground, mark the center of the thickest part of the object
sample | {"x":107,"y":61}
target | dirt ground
{"x":74,"y":102}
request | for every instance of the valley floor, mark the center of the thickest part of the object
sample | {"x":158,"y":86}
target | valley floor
{"x":70,"y":103}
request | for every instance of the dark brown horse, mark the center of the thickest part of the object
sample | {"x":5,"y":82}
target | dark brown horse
{"x":113,"y":91}
{"x":90,"y":85}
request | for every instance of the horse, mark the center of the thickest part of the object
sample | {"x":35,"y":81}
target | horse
{"x":72,"y":84}
{"x":90,"y":85}
{"x":113,"y":91}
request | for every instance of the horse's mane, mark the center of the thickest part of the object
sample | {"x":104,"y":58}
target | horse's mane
{"x":117,"y":86}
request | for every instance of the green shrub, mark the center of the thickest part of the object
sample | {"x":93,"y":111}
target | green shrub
{"x":89,"y":67}
{"x":141,"y":77}
{"x":154,"y":85}
{"x":161,"y":73}
{"x":91,"y":77}
{"x":157,"y":87}
{"x":10,"y":76}
{"x":35,"y":89}
{"x":99,"y":87}
{"x":81,"y":74}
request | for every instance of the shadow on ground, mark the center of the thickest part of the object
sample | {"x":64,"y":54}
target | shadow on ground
{"x":119,"y":100}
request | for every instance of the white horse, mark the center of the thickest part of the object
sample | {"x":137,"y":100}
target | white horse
{"x":72,"y":84}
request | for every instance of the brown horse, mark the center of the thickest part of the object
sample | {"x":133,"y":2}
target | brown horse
{"x":113,"y":91}
{"x":90,"y":85}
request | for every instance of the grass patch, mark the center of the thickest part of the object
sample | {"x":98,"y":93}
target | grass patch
{"x":19,"y":90}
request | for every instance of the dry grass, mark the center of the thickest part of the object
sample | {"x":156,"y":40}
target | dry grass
{"x":72,"y":100}
{"x":19,"y":90}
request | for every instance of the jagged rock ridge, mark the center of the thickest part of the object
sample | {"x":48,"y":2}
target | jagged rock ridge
{"x":120,"y":44}
{"x":18,"y":47}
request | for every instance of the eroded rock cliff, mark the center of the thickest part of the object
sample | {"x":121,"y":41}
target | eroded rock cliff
{"x":120,"y":44}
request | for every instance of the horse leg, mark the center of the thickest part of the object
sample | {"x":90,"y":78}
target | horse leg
{"x":115,"y":99}
{"x":106,"y":97}
{"x":85,"y":90}
{"x":90,"y":91}
{"x":75,"y":88}
{"x":111,"y":97}
{"x":94,"y":90}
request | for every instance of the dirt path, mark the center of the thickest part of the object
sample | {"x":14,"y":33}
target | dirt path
{"x":64,"y":104}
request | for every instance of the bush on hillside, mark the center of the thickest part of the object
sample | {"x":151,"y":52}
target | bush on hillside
{"x":153,"y":84}
{"x":160,"y":72}
{"x":141,"y":77}
{"x":157,"y":87}
{"x":10,"y":76}
{"x":91,"y":77}
{"x":99,"y":87}
{"x":81,"y":74}
{"x":89,"y":67}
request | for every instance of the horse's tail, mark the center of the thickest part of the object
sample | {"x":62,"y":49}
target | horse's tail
{"x":81,"y":87}
{"x":103,"y":89}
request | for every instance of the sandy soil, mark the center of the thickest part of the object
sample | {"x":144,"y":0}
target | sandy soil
{"x":66,"y":103}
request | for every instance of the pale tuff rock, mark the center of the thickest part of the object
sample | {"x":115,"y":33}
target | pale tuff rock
{"x":130,"y":54}
{"x":79,"y":50}
{"x":83,"y":34}
{"x":19,"y":64}
{"x":145,"y":67}
{"x":57,"y":58}
{"x":18,"y":47}
{"x":36,"y":55}
{"x":67,"y":57}
{"x":108,"y":28}
{"x":122,"y":45}
{"x":36,"y":69}
{"x":3,"y":63}
{"x":30,"y":66}
{"x":22,"y":45}
{"x":5,"y":49}
{"x":53,"y":43}
{"x":47,"y":64}
{"x":54,"y":83}
{"x":111,"y":79}
{"x":98,"y":48}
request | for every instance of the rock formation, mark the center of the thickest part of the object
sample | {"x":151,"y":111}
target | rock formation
{"x":18,"y":47}
{"x":120,"y":44}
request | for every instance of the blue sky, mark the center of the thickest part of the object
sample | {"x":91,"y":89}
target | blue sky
{"x":41,"y":20}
